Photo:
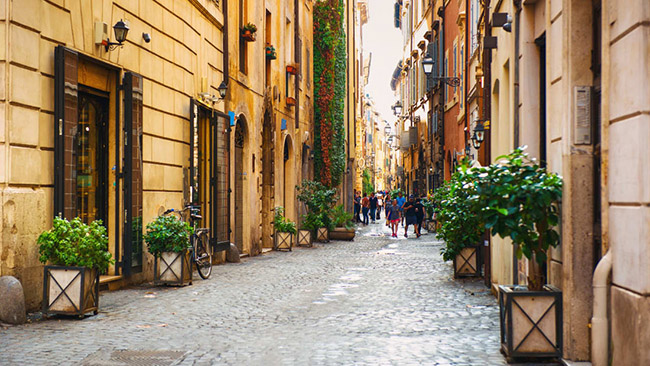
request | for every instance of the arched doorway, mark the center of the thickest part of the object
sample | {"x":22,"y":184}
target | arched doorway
{"x":268,"y":190}
{"x":289,"y":180}
{"x":240,"y":140}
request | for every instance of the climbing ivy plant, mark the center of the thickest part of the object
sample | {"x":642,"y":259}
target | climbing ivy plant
{"x":329,"y":91}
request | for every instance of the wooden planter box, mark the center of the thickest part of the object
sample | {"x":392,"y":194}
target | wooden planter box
{"x":431,"y":226}
{"x":531,"y":322}
{"x":322,"y":235}
{"x":341,"y":233}
{"x":282,"y":241}
{"x":70,"y":290}
{"x":304,"y":238}
{"x":467,"y":263}
{"x":173,"y":268}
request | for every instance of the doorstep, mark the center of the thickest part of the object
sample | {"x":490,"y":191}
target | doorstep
{"x":575,"y":363}
{"x":109,"y":282}
{"x":266,"y":250}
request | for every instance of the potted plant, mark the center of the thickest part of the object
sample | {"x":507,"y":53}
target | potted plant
{"x":430,"y":221}
{"x":310,"y":223}
{"x":318,"y":201}
{"x":77,"y":253}
{"x":284,"y":230}
{"x":168,"y":240}
{"x":292,"y":69}
{"x":461,"y":226}
{"x":248,"y":32}
{"x":270,"y":52}
{"x":343,"y":225}
{"x":519,"y":200}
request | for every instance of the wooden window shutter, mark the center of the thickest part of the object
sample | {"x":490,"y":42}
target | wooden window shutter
{"x":132,"y":164}
{"x":65,"y":127}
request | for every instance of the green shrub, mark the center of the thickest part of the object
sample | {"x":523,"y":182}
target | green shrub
{"x":281,"y":224}
{"x":74,"y":243}
{"x":318,"y":201}
{"x":342,"y":218}
{"x":167,"y":234}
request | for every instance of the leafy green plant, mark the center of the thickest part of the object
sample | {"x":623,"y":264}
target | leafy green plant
{"x":519,"y":199}
{"x":167,"y":234}
{"x":250,"y":27}
{"x":342,"y":218}
{"x":395,"y":192}
{"x":281,"y":224}
{"x":74,"y":243}
{"x":311,"y":222}
{"x":457,"y":212}
{"x":318,"y":200}
{"x":366,"y":181}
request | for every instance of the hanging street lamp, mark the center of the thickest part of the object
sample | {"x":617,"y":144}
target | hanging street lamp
{"x":121,"y":30}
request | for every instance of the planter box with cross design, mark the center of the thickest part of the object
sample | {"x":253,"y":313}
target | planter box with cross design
{"x":173,"y":268}
{"x":322,"y":235}
{"x":70,"y":290}
{"x":304,"y":238}
{"x":467,"y":263}
{"x":531,"y":322}
{"x":283,"y":241}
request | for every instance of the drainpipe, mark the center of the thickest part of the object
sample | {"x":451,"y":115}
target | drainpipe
{"x":226,"y":66}
{"x":599,"y":321}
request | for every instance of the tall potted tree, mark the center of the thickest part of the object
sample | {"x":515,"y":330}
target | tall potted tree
{"x":461,"y":225}
{"x":519,"y":199}
{"x":318,"y":201}
{"x":168,"y":240}
{"x":77,"y":253}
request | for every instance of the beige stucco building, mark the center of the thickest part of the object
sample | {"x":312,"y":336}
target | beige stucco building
{"x":123,"y":133}
{"x":574,"y":89}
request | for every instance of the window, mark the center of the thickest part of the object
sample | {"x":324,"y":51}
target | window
{"x":474,"y":16}
{"x":243,"y":45}
{"x":267,"y":36}
{"x":461,"y":75}
{"x":445,"y":71}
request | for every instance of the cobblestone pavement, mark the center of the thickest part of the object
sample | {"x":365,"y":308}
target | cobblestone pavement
{"x":374,"y":301}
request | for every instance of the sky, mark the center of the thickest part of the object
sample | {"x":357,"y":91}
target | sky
{"x":384,"y":41}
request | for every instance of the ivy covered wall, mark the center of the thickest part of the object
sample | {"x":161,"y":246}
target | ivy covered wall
{"x":329,"y":91}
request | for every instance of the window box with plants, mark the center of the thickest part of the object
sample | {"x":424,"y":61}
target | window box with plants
{"x":343,"y":225}
{"x":318,"y":201}
{"x":248,"y":32}
{"x":460,"y":224}
{"x":284,"y":230}
{"x":77,"y":254}
{"x":520,"y":201}
{"x":271,"y":54}
{"x":168,"y":240}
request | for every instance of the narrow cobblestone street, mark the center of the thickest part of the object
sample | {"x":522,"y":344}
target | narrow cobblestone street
{"x":374,"y":301}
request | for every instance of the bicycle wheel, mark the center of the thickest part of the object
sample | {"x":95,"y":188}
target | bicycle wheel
{"x":203,"y":256}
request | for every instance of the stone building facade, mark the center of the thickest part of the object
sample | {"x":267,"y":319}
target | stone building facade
{"x":123,"y":132}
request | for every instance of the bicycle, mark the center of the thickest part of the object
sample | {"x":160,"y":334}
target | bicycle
{"x":200,"y":240}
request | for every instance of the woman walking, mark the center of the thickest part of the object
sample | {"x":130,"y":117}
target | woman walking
{"x":365,"y":207}
{"x":393,"y":217}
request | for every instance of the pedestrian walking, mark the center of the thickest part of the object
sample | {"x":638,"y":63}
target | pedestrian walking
{"x":409,"y":214}
{"x":393,"y":217}
{"x":357,"y":206}
{"x":365,"y":207}
{"x":380,"y":204}
{"x":401,"y":200}
{"x":388,"y":205}
{"x":419,"y":215}
{"x":373,"y":206}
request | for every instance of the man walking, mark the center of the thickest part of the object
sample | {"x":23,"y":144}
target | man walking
{"x":373,"y":206}
{"x":365,"y":207}
{"x":357,"y":206}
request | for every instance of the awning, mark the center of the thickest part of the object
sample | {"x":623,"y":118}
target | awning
{"x":396,"y":75}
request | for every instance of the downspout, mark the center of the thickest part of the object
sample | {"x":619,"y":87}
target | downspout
{"x":441,"y":63}
{"x":517,"y":67}
{"x":468,"y":132}
{"x":599,"y":320}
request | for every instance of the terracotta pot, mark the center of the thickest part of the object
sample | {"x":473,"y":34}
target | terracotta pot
{"x":248,"y":36}
{"x":341,"y":233}
{"x":291,"y":101}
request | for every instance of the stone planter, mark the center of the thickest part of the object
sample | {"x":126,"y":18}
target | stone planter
{"x":322,"y":235}
{"x":173,"y":268}
{"x":531,"y":322}
{"x":283,"y":241}
{"x":70,"y":290}
{"x":304,"y":238}
{"x":467,"y":263}
{"x":341,"y":233}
